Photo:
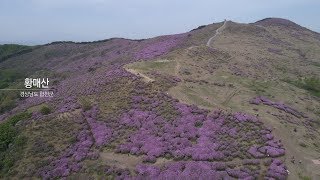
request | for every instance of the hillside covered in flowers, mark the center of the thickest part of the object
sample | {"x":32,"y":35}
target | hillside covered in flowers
{"x":244,"y":107}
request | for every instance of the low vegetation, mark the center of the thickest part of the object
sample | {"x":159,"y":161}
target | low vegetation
{"x":311,"y":84}
{"x":11,"y":142}
{"x":7,"y":78}
{"x":102,"y":104}
{"x":11,"y":50}
{"x":7,"y":100}
{"x":45,"y":110}
{"x":86,"y":104}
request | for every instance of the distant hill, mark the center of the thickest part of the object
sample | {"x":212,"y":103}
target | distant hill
{"x":10,"y":50}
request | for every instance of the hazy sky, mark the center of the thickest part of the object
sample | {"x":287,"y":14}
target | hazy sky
{"x":43,"y":21}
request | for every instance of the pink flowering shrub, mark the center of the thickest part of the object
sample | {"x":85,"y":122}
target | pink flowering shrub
{"x":70,"y":160}
{"x":260,"y":99}
{"x":67,"y":105}
{"x":277,"y":170}
{"x":255,"y":152}
{"x":199,"y":143}
{"x":101,"y":133}
{"x":197,"y":136}
{"x":193,"y":170}
{"x":161,"y":47}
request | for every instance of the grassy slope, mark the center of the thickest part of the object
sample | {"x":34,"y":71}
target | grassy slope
{"x":12,"y":142}
{"x":208,"y":81}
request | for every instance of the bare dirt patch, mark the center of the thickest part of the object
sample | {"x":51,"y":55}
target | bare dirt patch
{"x":316,"y":161}
{"x":121,"y":160}
{"x":145,"y":78}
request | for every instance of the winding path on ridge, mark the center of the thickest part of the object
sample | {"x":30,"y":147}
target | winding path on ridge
{"x":218,"y":31}
{"x":137,"y":73}
{"x":177,"y":68}
{"x":307,"y":164}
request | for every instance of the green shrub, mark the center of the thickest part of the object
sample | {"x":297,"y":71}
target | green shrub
{"x":11,"y":143}
{"x":45,"y":110}
{"x":302,"y":144}
{"x":7,"y":104}
{"x":303,"y":177}
{"x":8,"y":76}
{"x":8,"y":131}
{"x":86,"y":105}
{"x":198,"y":124}
{"x":9,"y":157}
{"x":311,"y":84}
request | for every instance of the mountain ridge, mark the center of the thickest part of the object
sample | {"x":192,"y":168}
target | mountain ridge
{"x":270,"y":21}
